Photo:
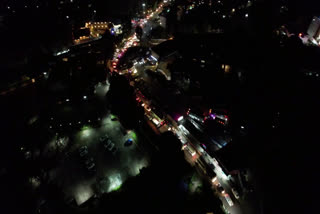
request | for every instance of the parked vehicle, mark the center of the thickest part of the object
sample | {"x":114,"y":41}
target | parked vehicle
{"x":128,"y":142}
{"x":235,"y":193}
{"x":83,"y":151}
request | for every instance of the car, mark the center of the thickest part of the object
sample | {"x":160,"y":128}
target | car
{"x":107,"y":143}
{"x":83,"y":148}
{"x":128,"y":142}
{"x":212,"y":166}
{"x":235,"y":193}
{"x":91,"y":167}
{"x":83,"y":152}
{"x":103,"y":138}
{"x":191,"y":150}
{"x":114,"y":150}
{"x":220,"y":189}
{"x":110,"y":147}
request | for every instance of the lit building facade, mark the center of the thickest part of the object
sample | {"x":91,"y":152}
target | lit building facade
{"x":314,"y":29}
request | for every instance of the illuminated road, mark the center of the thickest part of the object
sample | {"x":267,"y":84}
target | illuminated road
{"x":182,"y":133}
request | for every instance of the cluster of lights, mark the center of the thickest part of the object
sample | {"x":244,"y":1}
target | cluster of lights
{"x":148,"y":110}
{"x":62,"y":52}
{"x":96,"y":25}
{"x":131,"y":41}
{"x":70,"y":124}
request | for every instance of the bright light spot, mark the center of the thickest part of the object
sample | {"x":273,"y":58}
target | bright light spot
{"x":143,"y":4}
{"x":67,"y":17}
{"x":154,"y":58}
{"x":132,"y":135}
{"x":137,"y":166}
{"x":67,"y":100}
{"x":35,"y":182}
{"x":86,"y":131}
{"x":84,"y":97}
{"x":33,"y":80}
{"x":242,"y":127}
{"x":214,"y":179}
{"x":135,"y":71}
{"x":115,"y":182}
{"x":83,"y":193}
{"x":246,"y":15}
{"x":180,"y":118}
{"x":155,"y":121}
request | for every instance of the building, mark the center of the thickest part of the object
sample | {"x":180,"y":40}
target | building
{"x":314,"y":29}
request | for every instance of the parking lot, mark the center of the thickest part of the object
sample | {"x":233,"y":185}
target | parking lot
{"x":100,"y":159}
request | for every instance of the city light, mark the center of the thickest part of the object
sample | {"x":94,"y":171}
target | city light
{"x":115,"y":182}
{"x":180,"y":118}
{"x":135,"y":71}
